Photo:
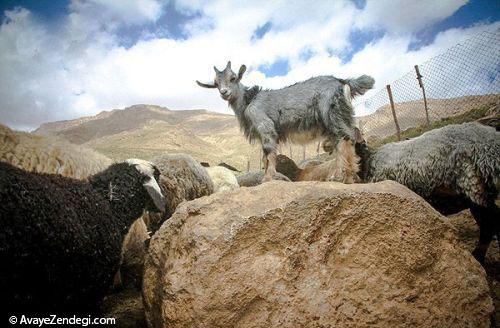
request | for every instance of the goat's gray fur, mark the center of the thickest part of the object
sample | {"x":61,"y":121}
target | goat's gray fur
{"x":462,"y":158}
{"x":305,"y":111}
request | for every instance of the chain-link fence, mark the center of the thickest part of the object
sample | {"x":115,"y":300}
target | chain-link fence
{"x":463,"y":82}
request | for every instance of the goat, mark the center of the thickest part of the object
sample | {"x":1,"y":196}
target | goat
{"x":318,"y":107}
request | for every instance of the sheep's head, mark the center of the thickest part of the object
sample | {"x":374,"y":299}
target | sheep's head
{"x":150,"y":177}
{"x":131,"y":185}
{"x":226,"y":81}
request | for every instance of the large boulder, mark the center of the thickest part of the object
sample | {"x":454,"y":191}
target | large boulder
{"x":312,"y":254}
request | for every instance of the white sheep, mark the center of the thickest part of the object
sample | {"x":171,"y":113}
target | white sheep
{"x":182,"y":178}
{"x":47,"y":154}
{"x":222,"y":178}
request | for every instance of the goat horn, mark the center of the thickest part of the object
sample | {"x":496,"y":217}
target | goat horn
{"x":228,"y":65}
{"x":205,"y":85}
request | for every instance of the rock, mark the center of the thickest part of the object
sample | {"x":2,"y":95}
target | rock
{"x":254,"y":178}
{"x":468,"y":234}
{"x":312,"y":254}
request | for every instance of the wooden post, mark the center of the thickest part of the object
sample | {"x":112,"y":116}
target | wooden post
{"x":259,"y":160}
{"x":398,"y":130}
{"x":419,"y":78}
{"x":248,"y":165}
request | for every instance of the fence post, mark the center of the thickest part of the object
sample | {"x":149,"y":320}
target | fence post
{"x":259,"y":160}
{"x":398,"y":130}
{"x":421,"y":84}
{"x":248,"y":165}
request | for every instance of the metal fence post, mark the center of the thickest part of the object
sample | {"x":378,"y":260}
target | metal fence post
{"x":398,"y":130}
{"x":419,"y":78}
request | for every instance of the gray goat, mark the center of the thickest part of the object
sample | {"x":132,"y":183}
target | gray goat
{"x":305,"y":111}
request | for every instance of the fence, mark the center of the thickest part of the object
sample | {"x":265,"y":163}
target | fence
{"x":464,"y":80}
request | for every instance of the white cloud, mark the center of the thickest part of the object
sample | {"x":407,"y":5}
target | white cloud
{"x":402,"y":16}
{"x":80,"y":68}
{"x":127,"y":12}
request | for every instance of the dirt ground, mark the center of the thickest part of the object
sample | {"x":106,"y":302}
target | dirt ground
{"x":126,"y":305}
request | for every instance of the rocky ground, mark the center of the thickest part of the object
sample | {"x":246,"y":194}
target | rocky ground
{"x":127,"y":306}
{"x":469,"y":233}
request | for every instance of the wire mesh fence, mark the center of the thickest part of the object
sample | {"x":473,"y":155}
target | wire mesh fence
{"x":464,"y":80}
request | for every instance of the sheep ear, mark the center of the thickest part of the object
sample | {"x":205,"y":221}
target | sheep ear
{"x":154,"y":192}
{"x":205,"y":85}
{"x":242,"y":70}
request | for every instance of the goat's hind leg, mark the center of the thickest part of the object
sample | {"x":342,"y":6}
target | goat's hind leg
{"x":346,"y":162}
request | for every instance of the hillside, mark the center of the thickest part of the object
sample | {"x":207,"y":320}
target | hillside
{"x":145,"y":131}
{"x":410,"y":114}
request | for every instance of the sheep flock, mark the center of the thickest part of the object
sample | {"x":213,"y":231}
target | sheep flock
{"x":94,"y":217}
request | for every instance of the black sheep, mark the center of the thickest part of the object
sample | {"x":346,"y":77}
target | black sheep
{"x":61,"y":238}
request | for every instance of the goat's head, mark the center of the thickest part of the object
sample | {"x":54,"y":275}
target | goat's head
{"x":226,"y":81}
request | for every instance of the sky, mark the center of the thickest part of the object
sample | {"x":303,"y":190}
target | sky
{"x":63,"y":59}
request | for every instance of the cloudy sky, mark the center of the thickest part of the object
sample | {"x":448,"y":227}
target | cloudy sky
{"x":62,"y":59}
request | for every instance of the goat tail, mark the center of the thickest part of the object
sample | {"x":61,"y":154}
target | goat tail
{"x":358,"y":86}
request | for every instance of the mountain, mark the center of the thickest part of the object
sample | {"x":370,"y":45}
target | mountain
{"x":145,"y":131}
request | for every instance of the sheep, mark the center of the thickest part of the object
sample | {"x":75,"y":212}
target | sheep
{"x":313,"y":171}
{"x":182,"y":178}
{"x":254,"y":178}
{"x":305,"y":111}
{"x":222,"y":178}
{"x":61,"y":238}
{"x":47,"y":154}
{"x":454,"y":167}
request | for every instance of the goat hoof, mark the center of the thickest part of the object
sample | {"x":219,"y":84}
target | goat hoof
{"x":348,"y":180}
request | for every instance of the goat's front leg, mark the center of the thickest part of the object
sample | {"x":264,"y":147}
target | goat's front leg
{"x":269,"y":159}
{"x":270,"y":168}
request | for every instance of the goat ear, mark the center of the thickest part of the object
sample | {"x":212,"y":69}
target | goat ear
{"x":154,"y":192}
{"x":358,"y":136}
{"x":205,"y":85}
{"x":216,"y":70}
{"x":242,"y":70}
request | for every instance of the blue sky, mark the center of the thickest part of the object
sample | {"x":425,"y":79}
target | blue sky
{"x":78,"y":57}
